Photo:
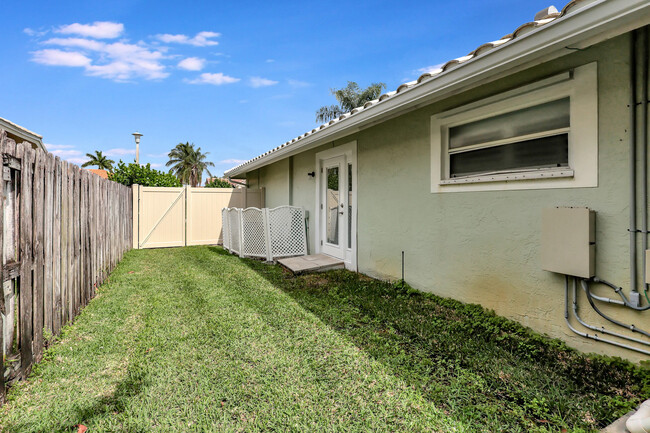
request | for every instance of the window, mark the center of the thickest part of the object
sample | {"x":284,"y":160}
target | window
{"x":543,"y":135}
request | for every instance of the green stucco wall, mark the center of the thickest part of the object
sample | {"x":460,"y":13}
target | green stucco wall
{"x":275,"y":178}
{"x":483,"y":247}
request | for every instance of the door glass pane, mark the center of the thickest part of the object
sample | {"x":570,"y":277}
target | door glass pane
{"x":332,"y":205}
{"x":349,"y":205}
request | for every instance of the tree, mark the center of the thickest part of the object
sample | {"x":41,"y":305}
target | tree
{"x":188,"y":163}
{"x":349,"y":97}
{"x":216,"y":182}
{"x":142,"y":175}
{"x":98,"y":159}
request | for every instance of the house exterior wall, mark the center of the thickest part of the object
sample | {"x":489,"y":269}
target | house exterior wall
{"x":484,"y":247}
{"x":275,"y":178}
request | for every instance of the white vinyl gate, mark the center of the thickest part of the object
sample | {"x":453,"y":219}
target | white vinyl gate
{"x":174,"y":217}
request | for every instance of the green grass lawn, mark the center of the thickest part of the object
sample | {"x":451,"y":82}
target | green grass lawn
{"x":195,"y":340}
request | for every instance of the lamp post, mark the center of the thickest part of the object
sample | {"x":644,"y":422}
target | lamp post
{"x":137,"y":136}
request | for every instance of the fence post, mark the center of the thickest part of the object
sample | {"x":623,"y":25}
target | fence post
{"x":136,"y":215}
{"x":4,"y":307}
{"x":267,"y":233}
{"x":187,"y":190}
{"x":241,"y":232}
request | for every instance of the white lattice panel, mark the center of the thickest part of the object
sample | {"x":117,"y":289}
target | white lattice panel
{"x":234,"y":225}
{"x":287,"y":231}
{"x":225,"y":226}
{"x":268,"y":233}
{"x":253,"y":235}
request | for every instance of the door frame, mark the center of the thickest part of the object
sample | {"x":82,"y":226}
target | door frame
{"x":349,"y":151}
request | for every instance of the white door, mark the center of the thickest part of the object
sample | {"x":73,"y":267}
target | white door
{"x":336,"y":203}
{"x":333,"y":207}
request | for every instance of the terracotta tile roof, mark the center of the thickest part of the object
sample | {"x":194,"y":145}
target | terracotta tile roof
{"x":98,"y":172}
{"x":542,"y":18}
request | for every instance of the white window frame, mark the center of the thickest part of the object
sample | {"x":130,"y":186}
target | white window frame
{"x":580,"y":85}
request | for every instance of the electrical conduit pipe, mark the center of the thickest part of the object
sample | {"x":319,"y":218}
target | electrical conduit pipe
{"x":639,"y":422}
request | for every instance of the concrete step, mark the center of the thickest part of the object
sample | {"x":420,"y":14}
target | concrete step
{"x":311,"y":263}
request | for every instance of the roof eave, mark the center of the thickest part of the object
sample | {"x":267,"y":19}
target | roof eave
{"x":593,"y":23}
{"x":23,"y":133}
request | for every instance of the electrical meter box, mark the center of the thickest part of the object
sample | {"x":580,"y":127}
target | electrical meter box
{"x":569,"y":241}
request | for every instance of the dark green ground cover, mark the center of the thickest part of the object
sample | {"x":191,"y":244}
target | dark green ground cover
{"x":192,"y":339}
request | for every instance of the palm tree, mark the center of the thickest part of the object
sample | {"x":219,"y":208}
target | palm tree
{"x":98,"y":159}
{"x":349,"y":97}
{"x":188,"y":163}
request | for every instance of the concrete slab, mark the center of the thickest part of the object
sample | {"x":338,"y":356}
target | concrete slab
{"x":311,"y":263}
{"x":618,"y":426}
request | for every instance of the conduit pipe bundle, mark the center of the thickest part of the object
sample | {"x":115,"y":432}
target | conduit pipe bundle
{"x":638,"y":122}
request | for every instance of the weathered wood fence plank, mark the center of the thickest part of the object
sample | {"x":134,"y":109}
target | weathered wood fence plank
{"x":57,"y":318}
{"x":25,"y":321}
{"x":48,"y":303}
{"x":3,"y":307}
{"x":37,"y":232}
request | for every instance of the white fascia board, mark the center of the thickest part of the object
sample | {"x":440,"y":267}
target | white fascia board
{"x":26,"y":135}
{"x":593,"y":23}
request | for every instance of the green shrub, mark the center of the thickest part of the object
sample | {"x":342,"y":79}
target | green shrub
{"x":216,"y":182}
{"x":129,"y":174}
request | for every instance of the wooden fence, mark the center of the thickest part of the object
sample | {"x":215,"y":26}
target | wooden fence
{"x":63,"y":230}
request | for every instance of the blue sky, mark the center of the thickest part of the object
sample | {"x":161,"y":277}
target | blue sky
{"x":235,"y":78}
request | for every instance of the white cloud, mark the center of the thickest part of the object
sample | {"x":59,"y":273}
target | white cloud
{"x":429,"y":68}
{"x":158,"y":155}
{"x":66,"y":153}
{"x":298,"y":83}
{"x":215,"y":79}
{"x":270,"y":60}
{"x":60,"y":58}
{"x":192,"y":64}
{"x":261,"y":82}
{"x":71,"y":155}
{"x":32,"y":32}
{"x":87,"y":44}
{"x":120,"y":151}
{"x":232,"y":161}
{"x":119,"y":61}
{"x":156,"y":165}
{"x":98,"y":29}
{"x":51,"y":147}
{"x":202,"y":39}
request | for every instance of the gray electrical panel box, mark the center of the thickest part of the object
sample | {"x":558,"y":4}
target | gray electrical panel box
{"x":569,"y":241}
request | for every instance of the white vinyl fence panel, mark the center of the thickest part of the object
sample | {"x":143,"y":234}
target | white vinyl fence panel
{"x":253,"y":233}
{"x":226,"y":230}
{"x":234,"y":229}
{"x":266,"y":233}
